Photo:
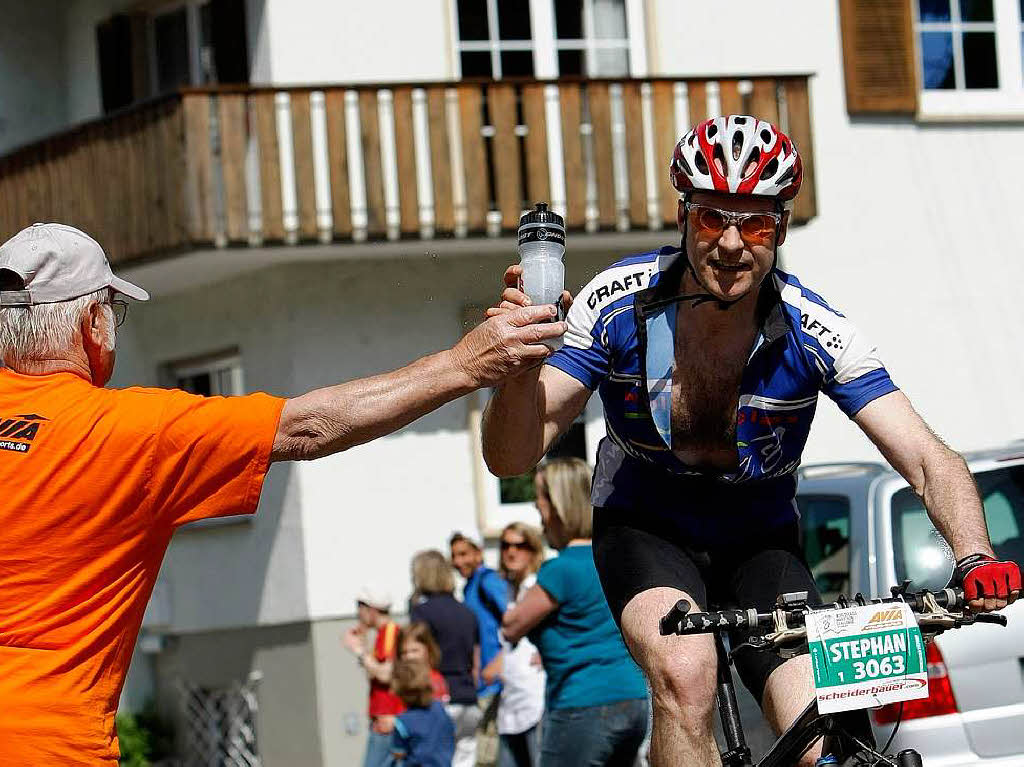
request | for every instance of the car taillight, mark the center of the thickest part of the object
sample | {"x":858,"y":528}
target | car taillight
{"x":940,"y":698}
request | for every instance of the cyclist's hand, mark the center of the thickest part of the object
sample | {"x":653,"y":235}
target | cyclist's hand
{"x":512,"y":297}
{"x":988,"y":583}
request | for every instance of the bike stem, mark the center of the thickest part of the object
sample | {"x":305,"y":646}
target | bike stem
{"x":737,"y":752}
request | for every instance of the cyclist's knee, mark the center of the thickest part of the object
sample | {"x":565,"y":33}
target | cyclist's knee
{"x":681,"y":670}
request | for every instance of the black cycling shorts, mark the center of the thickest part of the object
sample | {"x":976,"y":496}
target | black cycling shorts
{"x":635,"y":551}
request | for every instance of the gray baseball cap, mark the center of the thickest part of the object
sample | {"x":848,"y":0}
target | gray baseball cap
{"x":57,"y":262}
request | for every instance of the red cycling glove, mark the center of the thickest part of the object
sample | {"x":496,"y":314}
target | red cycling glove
{"x":982,"y":576}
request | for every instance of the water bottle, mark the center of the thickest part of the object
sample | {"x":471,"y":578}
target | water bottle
{"x":541,"y":247}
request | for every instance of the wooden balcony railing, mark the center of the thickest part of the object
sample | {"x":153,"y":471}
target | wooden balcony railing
{"x":252,"y":166}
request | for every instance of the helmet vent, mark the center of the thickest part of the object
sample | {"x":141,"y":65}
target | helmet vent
{"x":712,"y":131}
{"x":702,"y":164}
{"x":718,"y":157}
{"x":770,"y":169}
{"x":786,"y":177}
{"x":737,"y":144}
{"x":766,"y":135}
{"x":683,"y":165}
{"x":740,"y":120}
{"x":755,"y":158}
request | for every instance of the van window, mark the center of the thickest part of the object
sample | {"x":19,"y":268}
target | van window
{"x":925,"y":558}
{"x":825,"y":521}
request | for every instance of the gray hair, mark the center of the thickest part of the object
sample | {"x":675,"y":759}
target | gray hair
{"x":43,"y":331}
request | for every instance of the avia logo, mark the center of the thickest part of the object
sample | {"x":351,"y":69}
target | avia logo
{"x":22,"y":428}
{"x":884,"y":616}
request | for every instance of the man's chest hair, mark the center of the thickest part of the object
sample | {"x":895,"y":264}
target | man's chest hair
{"x":705,"y":389}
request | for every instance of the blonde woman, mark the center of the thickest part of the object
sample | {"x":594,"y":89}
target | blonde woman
{"x":455,"y":628}
{"x":522,"y":694}
{"x":596,"y":698}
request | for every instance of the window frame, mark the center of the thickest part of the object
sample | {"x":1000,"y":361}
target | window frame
{"x":1006,"y":101}
{"x":545,"y":44}
{"x":590,"y":44}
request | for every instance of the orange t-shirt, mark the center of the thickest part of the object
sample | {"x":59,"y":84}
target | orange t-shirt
{"x":94,"y":482}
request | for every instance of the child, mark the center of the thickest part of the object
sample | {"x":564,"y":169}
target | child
{"x":416,"y":643}
{"x":424,"y":735}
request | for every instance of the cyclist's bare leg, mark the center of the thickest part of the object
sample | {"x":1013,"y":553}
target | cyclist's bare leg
{"x":682,"y":673}
{"x":787,"y":692}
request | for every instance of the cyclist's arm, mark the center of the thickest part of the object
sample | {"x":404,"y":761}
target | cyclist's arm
{"x":526,"y":415}
{"x":937,"y":474}
{"x":528,"y":612}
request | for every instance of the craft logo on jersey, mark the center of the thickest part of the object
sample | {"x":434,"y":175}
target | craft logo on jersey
{"x":628,"y":282}
{"x":18,"y":431}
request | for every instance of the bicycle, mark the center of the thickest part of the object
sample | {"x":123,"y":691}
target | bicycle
{"x":783,"y":631}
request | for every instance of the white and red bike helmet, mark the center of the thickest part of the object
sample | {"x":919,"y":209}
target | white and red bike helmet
{"x":737,"y":154}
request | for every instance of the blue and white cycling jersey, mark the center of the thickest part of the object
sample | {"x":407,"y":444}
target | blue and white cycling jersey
{"x":621,"y":342}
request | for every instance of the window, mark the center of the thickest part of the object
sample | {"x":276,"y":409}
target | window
{"x":500,"y":38}
{"x":969,"y":58}
{"x":495,"y":38}
{"x":572,"y":444}
{"x":591,"y":38}
{"x":181,"y":47}
{"x":958,"y":44}
{"x":145,"y":53}
{"x":214,"y":375}
{"x":825,"y":522}
{"x":925,"y":558}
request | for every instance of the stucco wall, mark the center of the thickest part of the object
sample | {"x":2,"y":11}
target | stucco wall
{"x":287,"y":724}
{"x":33,"y":98}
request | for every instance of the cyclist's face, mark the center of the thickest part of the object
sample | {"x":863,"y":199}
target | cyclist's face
{"x":727,"y":264}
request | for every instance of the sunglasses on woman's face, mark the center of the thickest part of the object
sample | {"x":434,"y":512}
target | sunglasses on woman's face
{"x":518,"y":545}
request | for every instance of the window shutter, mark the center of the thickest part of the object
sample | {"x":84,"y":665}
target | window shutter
{"x":230,"y":52}
{"x":878,"y":56}
{"x":114,"y":42}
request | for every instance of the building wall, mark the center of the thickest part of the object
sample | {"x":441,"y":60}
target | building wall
{"x":391,"y":40}
{"x":282,"y":659}
{"x":33,"y":98}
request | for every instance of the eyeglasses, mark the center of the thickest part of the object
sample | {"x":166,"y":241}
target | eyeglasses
{"x":120,"y":309}
{"x":518,"y":545}
{"x":755,"y":228}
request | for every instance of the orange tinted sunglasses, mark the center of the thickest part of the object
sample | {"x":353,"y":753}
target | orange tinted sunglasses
{"x":755,"y":228}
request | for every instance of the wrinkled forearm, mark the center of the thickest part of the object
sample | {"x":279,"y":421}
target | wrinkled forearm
{"x":335,"y":418}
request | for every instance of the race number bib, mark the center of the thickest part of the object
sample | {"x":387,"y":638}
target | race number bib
{"x":866,"y":656}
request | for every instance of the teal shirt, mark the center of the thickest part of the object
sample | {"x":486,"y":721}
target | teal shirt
{"x":585,"y":659}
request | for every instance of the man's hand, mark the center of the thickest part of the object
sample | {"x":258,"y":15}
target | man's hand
{"x":513,"y":297}
{"x":353,"y":640}
{"x":506,"y":344}
{"x":989,"y":584}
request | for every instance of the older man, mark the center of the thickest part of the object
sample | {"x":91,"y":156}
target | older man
{"x":96,"y":480}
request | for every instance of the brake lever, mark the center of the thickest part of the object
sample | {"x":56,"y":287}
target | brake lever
{"x":990,"y":618}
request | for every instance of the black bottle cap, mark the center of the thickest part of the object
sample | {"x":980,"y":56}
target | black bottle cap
{"x":541,"y":215}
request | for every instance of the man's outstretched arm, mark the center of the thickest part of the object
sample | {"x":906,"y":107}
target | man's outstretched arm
{"x":941,"y":478}
{"x":335,"y":418}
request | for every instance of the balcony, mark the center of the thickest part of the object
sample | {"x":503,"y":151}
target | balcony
{"x":247,"y":167}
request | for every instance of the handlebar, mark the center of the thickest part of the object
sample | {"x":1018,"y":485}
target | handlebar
{"x":791,"y":613}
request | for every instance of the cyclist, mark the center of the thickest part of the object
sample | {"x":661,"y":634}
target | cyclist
{"x":709,"y":360}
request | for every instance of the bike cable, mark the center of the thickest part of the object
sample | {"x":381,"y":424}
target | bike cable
{"x":895,"y":729}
